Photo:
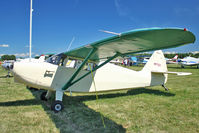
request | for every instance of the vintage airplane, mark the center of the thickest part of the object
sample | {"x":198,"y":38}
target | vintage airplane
{"x":189,"y":61}
{"x":81,"y":69}
{"x":145,"y":60}
{"x":173,"y":60}
{"x":7,"y":65}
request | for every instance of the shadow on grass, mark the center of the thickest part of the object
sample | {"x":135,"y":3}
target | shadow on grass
{"x":129,"y":92}
{"x":7,"y":76}
{"x":21,"y":103}
{"x":78,"y":117}
{"x":149,"y":91}
{"x":186,"y":67}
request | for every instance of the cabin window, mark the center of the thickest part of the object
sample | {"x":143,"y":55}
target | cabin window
{"x":56,"y":59}
{"x":73,"y":63}
{"x":69,"y":63}
{"x":62,"y":60}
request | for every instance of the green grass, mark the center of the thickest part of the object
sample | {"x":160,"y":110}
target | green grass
{"x":148,"y":109}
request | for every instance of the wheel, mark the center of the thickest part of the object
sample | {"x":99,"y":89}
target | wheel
{"x":57,"y":106}
{"x":43,"y":96}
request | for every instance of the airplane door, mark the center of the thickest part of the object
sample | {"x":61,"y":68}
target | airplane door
{"x":46,"y":74}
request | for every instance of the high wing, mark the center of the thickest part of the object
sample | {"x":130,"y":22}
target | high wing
{"x":133,"y":42}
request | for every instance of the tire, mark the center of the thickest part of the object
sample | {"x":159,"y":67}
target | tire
{"x":43,"y":96}
{"x":57,"y":106}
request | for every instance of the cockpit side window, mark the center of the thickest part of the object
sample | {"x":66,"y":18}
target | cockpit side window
{"x":56,"y":59}
{"x":74,"y":63}
{"x":63,"y":60}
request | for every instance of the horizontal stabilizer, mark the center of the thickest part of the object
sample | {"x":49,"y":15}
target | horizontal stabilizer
{"x":178,"y":73}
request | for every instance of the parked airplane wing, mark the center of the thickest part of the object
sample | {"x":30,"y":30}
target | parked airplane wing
{"x":135,"y":41}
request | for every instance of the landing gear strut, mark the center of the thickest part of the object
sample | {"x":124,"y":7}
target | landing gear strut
{"x":43,"y":96}
{"x":57,"y":105}
{"x":8,"y":75}
{"x":46,"y":95}
{"x":166,"y":89}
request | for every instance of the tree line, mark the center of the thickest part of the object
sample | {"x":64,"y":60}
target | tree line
{"x":180,"y":55}
{"x":8,"y":57}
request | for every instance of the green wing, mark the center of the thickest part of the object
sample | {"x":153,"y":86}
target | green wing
{"x":133,"y":42}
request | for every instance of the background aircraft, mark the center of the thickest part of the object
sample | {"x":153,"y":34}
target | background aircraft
{"x":189,"y":61}
{"x":173,"y":60}
{"x":145,"y":60}
{"x":7,"y":65}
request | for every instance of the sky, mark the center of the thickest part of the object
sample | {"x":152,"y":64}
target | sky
{"x":57,"y":22}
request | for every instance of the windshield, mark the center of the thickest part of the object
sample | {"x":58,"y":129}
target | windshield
{"x":56,"y":59}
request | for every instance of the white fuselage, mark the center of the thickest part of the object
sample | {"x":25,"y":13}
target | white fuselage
{"x":48,"y":76}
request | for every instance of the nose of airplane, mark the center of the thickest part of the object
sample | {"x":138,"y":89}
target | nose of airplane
{"x":17,"y":71}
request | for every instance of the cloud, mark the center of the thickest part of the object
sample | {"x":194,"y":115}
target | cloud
{"x":4,"y":45}
{"x":174,"y":52}
{"x":195,"y":52}
{"x":22,"y":54}
{"x":76,"y":2}
{"x":167,"y":52}
{"x":122,"y":10}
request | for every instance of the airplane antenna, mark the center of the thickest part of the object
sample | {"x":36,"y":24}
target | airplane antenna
{"x":30,"y":41}
{"x":68,"y":50}
{"x":70,"y":43}
{"x":110,"y":32}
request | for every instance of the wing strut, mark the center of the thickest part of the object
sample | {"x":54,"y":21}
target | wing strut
{"x":68,"y":84}
{"x":77,"y":71}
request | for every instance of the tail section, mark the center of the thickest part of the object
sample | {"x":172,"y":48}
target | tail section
{"x":175,"y":57}
{"x":157,"y":68}
{"x":42,"y":58}
{"x":157,"y":62}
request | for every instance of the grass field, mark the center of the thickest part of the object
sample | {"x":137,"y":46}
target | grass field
{"x":148,"y":109}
